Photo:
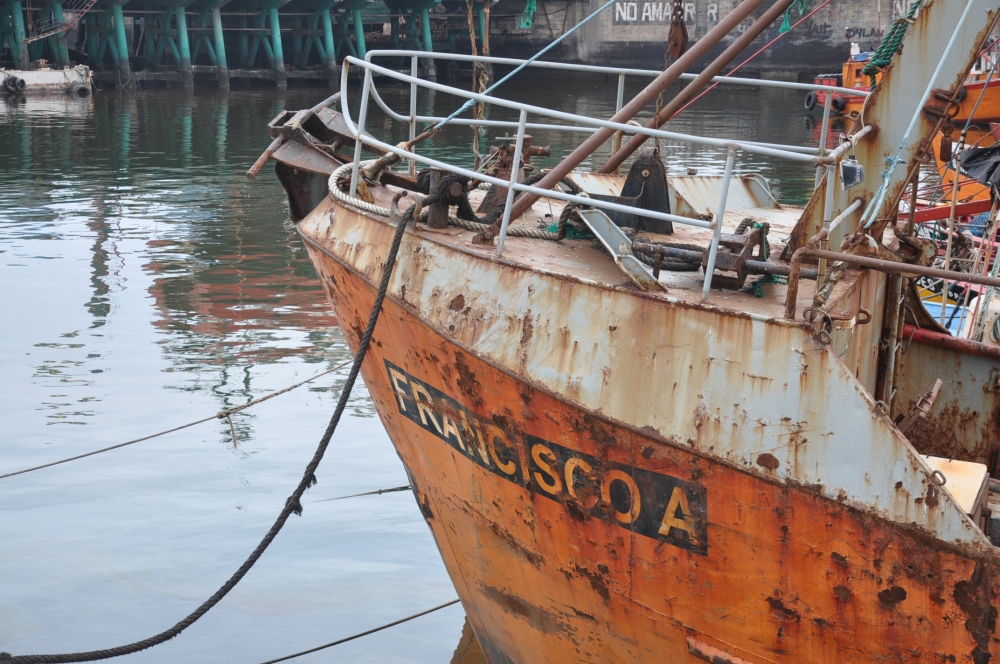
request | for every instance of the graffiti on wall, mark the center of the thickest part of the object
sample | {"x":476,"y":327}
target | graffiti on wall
{"x":654,"y":13}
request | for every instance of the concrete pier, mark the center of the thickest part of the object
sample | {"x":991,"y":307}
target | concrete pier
{"x":245,"y":42}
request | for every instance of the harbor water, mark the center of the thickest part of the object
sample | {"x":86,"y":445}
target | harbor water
{"x":145,"y":282}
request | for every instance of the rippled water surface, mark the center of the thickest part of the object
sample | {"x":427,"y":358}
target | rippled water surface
{"x":145,"y":283}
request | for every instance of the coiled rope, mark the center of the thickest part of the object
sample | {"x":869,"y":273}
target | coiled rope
{"x":887,"y":48}
{"x":339,"y":181}
{"x":292,"y":505}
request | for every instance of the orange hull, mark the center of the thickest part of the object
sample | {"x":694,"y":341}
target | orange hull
{"x":572,"y":537}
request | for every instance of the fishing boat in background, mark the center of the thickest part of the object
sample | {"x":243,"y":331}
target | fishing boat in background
{"x":971,"y":100}
{"x":648,"y":439}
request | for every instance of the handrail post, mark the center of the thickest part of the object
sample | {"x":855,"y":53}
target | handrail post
{"x":831,"y":171}
{"x":413,"y":111}
{"x":717,"y":230}
{"x":515,"y":169}
{"x":822,"y":135}
{"x":616,"y":142}
{"x":361,"y":130}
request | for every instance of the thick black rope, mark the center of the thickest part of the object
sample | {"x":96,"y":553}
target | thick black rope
{"x":365,"y":633}
{"x":292,"y":505}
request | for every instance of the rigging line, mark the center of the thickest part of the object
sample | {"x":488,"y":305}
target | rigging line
{"x":358,"y":636}
{"x":377,"y":492}
{"x":747,"y":61}
{"x":868,"y":217}
{"x":218,"y":416}
{"x":527,"y":62}
{"x":292,"y":505}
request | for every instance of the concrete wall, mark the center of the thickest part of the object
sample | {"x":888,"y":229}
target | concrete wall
{"x":634,"y":32}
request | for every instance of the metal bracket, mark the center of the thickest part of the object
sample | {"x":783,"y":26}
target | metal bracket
{"x":620,"y":246}
{"x":734,"y":252}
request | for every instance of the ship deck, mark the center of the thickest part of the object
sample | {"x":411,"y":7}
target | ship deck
{"x":586,"y":259}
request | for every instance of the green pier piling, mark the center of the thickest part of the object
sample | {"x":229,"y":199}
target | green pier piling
{"x":184,"y":46}
{"x":122,"y":43}
{"x":220,"y":48}
{"x":425,"y":24}
{"x":359,"y":33}
{"x":278,"y":56}
{"x":14,"y":34}
{"x":331,"y":50}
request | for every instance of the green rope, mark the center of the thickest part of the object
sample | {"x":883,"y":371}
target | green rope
{"x":758,"y":286}
{"x":786,"y":24}
{"x":528,"y":17}
{"x":571,"y":233}
{"x":890,"y":44}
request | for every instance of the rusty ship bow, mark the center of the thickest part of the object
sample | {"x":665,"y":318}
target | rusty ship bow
{"x":706,"y":437}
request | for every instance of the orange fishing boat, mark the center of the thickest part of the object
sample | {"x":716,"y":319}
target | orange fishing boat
{"x":971,"y":100}
{"x":643,"y":446}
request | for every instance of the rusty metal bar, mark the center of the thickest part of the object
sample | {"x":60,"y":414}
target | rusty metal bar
{"x":912,"y":333}
{"x":640,"y":101}
{"x":700,"y":81}
{"x":752,"y":266}
{"x":265,"y":157}
{"x":889,"y":267}
{"x":515,"y":170}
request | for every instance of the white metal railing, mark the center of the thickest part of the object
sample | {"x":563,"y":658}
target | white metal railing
{"x":619,"y":71}
{"x":578,"y":123}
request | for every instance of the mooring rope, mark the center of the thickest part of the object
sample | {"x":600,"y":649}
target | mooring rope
{"x":377,"y":492}
{"x":359,"y":635}
{"x":222,"y":414}
{"x":292,"y":505}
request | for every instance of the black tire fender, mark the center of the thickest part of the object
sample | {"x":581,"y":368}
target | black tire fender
{"x":810,"y":100}
{"x":838,"y":104}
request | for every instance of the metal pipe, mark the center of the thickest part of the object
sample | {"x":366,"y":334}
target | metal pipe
{"x":822,"y":135}
{"x":889,"y":267}
{"x":949,"y":342}
{"x":413,"y":109}
{"x":473,"y":175}
{"x":831,"y":172}
{"x":515,"y":169}
{"x":893,"y":306}
{"x":752,"y":266}
{"x":699,"y":82}
{"x":640,"y":101}
{"x":848,"y":144}
{"x":399,"y":117}
{"x":598,"y":69}
{"x":362,"y":115}
{"x":713,"y":250}
{"x":572,"y":117}
{"x":616,"y":142}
